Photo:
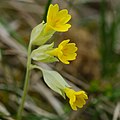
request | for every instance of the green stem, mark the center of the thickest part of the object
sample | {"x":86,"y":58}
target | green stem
{"x":19,"y":115}
{"x":35,"y":66}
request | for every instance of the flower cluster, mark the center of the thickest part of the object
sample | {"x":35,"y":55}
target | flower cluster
{"x":57,"y":21}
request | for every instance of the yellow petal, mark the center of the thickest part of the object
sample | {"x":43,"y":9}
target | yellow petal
{"x":80,"y":102}
{"x":52,"y":12}
{"x":64,"y":60}
{"x":82,"y":93}
{"x":70,"y":56}
{"x":64,"y":20}
{"x":63,"y":16}
{"x":62,"y":13}
{"x":63,"y":43}
{"x":69,"y":92}
{"x":61,"y":28}
{"x":74,"y":107}
{"x":72,"y":99}
{"x":70,"y":48}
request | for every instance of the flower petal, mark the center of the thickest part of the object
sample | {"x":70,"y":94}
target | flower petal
{"x":80,"y":102}
{"x":72,"y":99}
{"x":65,"y":19}
{"x":74,"y":107}
{"x":70,"y":56}
{"x":82,"y":93}
{"x":70,"y":48}
{"x":52,"y":12}
{"x":63,"y":16}
{"x":62,"y":13}
{"x":63,"y":59}
{"x":64,"y":43}
{"x":61,"y":27}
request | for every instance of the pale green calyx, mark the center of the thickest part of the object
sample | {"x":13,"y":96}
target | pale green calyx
{"x":39,"y":36}
{"x":40,"y":54}
{"x":55,"y":81}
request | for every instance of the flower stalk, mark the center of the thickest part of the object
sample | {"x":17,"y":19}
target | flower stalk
{"x":65,"y":52}
{"x":27,"y":77}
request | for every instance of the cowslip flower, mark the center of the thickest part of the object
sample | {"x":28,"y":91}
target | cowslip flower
{"x":65,"y":51}
{"x":76,"y":99}
{"x":57,"y":20}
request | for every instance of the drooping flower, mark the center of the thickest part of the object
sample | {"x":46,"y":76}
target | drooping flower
{"x":65,"y":51}
{"x":76,"y":99}
{"x":57,"y":20}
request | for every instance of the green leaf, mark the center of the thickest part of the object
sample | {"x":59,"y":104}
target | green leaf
{"x":40,"y":54}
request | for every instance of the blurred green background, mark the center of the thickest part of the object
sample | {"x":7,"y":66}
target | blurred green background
{"x":96,"y":31}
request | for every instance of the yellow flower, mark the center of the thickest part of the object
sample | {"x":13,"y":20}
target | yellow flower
{"x":57,"y":20}
{"x":77,"y":99}
{"x":65,"y":51}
